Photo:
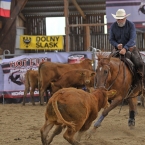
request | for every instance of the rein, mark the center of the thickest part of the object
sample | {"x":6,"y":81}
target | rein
{"x":115,"y":78}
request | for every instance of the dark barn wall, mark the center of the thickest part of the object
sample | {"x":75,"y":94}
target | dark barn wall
{"x":8,"y":43}
{"x":37,"y":26}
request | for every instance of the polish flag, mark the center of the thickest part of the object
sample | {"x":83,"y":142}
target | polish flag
{"x":5,"y":6}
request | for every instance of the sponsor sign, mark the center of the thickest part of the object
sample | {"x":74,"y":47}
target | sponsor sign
{"x":41,"y":42}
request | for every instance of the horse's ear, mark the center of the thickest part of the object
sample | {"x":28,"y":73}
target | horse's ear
{"x":101,"y":55}
{"x":110,"y":56}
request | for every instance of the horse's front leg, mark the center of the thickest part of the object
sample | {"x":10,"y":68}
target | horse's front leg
{"x":97,"y":124}
{"x":132,"y":111}
{"x":115,"y":103}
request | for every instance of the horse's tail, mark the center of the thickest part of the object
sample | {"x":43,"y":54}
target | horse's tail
{"x":58,"y":114}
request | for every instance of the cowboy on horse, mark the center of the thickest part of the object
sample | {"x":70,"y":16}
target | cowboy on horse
{"x":111,"y":73}
{"x":122,"y":37}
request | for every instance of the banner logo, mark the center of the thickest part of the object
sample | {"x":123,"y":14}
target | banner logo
{"x":41,"y":42}
{"x":27,"y":41}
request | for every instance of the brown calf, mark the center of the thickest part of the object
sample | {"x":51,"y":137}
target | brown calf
{"x":31,"y":81}
{"x":49,"y":72}
{"x":77,"y":78}
{"x":75,"y":109}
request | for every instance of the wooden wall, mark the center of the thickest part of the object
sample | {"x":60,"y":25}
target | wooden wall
{"x":99,"y":40}
{"x":35,"y":26}
{"x":77,"y":35}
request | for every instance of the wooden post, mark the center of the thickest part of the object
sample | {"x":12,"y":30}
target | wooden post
{"x":0,"y":24}
{"x":87,"y":38}
{"x":66,"y":14}
{"x":79,"y":9}
{"x":144,"y":43}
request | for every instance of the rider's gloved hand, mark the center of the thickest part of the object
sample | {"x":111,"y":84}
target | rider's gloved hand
{"x":119,"y":46}
{"x":122,"y":51}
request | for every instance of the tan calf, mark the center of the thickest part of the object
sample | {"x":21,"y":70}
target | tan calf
{"x":76,"y":110}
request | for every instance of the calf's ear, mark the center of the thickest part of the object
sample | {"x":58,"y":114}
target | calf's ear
{"x":93,"y":73}
{"x":111,"y":93}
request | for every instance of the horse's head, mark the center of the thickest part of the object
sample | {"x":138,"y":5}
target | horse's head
{"x":103,"y":74}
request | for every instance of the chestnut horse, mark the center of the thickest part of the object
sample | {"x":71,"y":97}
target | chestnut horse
{"x":112,"y":73}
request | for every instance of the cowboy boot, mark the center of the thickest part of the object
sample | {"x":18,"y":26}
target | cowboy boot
{"x":138,"y":62}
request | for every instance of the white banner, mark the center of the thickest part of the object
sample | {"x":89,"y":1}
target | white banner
{"x":12,"y":70}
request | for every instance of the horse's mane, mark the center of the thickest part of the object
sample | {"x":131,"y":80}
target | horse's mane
{"x":101,"y":55}
{"x":104,"y":58}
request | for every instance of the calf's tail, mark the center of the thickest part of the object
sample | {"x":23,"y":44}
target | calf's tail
{"x":27,"y":81}
{"x":59,"y":116}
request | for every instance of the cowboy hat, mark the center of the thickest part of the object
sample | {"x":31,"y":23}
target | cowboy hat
{"x":120,"y":14}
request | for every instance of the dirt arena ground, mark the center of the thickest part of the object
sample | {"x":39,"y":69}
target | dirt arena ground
{"x":20,"y":125}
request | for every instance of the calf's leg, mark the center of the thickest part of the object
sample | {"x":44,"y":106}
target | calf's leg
{"x":57,"y":131}
{"x":25,"y":94}
{"x":43,"y":88}
{"x":79,"y":135}
{"x":69,"y":136}
{"x":45,"y":130}
{"x":84,"y":128}
{"x":32,"y":95}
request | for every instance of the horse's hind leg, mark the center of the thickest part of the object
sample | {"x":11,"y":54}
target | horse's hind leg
{"x":132,"y":111}
{"x":142,"y":100}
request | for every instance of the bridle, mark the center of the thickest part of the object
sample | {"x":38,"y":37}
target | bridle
{"x":108,"y":66}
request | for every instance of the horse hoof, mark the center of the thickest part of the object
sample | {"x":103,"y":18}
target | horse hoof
{"x":131,"y":122}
